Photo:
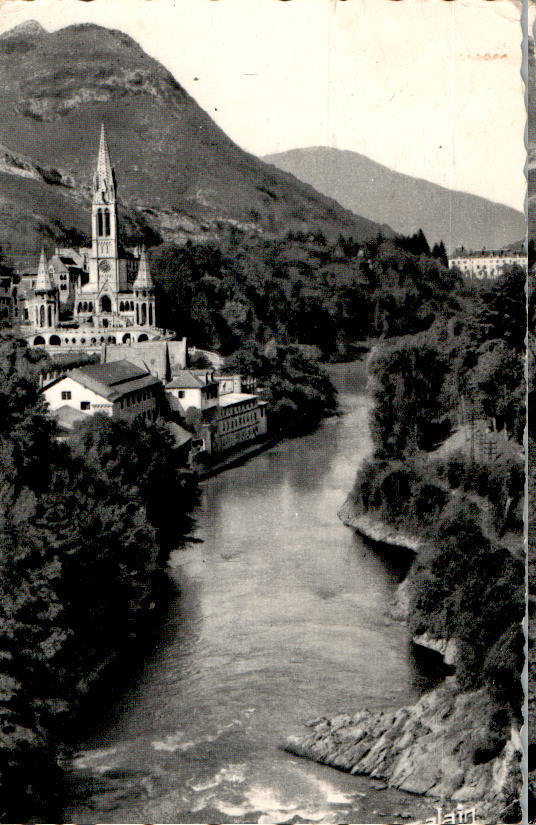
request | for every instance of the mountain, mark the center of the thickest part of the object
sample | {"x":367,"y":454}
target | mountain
{"x":405,"y":203}
{"x":179,"y":176}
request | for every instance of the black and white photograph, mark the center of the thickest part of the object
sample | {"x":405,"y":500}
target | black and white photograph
{"x":264,"y":380}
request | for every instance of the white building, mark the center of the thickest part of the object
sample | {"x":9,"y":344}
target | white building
{"x":118,"y":389}
{"x":241,"y":417}
{"x":195,"y":389}
{"x":485,"y":264}
{"x":228,"y":416}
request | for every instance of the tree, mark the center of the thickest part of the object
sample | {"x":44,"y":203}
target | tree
{"x":440,"y":253}
{"x":408,"y":380}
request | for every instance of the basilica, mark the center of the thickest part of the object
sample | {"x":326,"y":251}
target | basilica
{"x":82,"y":299}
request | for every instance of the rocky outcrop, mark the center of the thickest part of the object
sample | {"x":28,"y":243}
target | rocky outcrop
{"x":375,"y":529}
{"x":441,"y":747}
{"x":447,"y":648}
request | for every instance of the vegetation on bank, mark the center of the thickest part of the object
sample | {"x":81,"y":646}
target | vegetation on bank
{"x":85,"y":528}
{"x":298,"y":391}
{"x":469,"y":582}
{"x":301,"y":289}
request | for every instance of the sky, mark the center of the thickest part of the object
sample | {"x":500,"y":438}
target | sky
{"x":430,"y":88}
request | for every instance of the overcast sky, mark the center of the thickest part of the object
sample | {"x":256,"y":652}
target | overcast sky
{"x":427,"y":87}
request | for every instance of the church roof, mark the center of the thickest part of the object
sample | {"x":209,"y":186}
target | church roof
{"x":114,"y":379}
{"x":143,"y":278}
{"x":43,"y":282}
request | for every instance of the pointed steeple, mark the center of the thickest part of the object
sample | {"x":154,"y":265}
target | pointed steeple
{"x":143,"y":278}
{"x":104,"y":174}
{"x":44,"y":281}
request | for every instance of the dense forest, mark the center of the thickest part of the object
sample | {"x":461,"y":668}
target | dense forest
{"x":301,"y":289}
{"x":462,"y":493}
{"x":85,"y":529}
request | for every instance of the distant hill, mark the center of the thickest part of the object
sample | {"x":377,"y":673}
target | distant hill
{"x":405,"y":203}
{"x":178,"y":174}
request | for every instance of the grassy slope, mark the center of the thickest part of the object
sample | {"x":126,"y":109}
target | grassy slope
{"x":174,"y":164}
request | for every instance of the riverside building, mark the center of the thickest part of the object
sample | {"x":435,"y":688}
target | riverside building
{"x":228,"y":415}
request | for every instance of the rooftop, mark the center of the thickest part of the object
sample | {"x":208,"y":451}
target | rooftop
{"x":189,"y":380}
{"x":114,"y":379}
{"x":236,"y":398}
{"x":112,"y":373}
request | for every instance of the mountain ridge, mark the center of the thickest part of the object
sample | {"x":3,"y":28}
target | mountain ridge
{"x":406,"y":203}
{"x":179,"y":175}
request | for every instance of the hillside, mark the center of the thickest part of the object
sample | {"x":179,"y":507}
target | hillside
{"x":177,"y":171}
{"x":405,"y":203}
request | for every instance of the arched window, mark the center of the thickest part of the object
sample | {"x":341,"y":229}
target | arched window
{"x":132,"y":306}
{"x":85,"y":306}
{"x":42,"y":316}
{"x":39,"y":341}
{"x":49,"y":315}
{"x":150,"y":315}
{"x":143,"y":319}
{"x":106,"y":304}
{"x":79,"y":308}
{"x":100,"y":227}
{"x":137,"y":314}
{"x":126,"y":337}
{"x":54,"y":341}
{"x":122,"y":306}
{"x":143,"y":337}
{"x":107,"y":222}
{"x":90,"y":306}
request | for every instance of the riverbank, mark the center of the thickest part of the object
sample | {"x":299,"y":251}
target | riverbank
{"x":377,"y":530}
{"x":454,"y":744}
{"x":236,"y":457}
{"x":440,"y":747}
{"x":447,"y":746}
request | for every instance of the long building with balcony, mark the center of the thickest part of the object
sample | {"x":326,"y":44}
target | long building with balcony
{"x":228,"y":411}
{"x":486,"y":264}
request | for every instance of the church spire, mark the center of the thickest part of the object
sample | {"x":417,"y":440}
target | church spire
{"x":143,"y":278}
{"x":104,"y":175}
{"x":43,"y":282}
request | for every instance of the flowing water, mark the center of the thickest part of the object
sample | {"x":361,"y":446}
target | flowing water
{"x":281,"y":617}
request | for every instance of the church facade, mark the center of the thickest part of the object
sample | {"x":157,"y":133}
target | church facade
{"x":109,"y":296}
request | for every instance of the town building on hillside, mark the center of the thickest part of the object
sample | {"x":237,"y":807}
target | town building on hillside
{"x":228,"y":416}
{"x":108,"y":292}
{"x":118,"y":389}
{"x":486,"y":264}
{"x":195,"y":389}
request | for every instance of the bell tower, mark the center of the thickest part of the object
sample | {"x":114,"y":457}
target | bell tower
{"x":104,"y":272}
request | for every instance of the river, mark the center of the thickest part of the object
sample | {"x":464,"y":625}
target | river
{"x":281,"y":617}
